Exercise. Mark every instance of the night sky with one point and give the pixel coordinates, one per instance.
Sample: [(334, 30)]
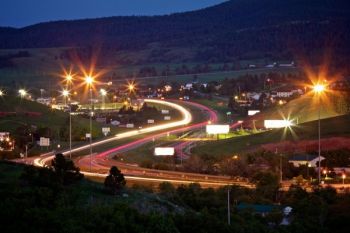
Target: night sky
[(20, 13)]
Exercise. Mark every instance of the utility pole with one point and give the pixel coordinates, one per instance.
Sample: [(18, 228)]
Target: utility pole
[(228, 207)]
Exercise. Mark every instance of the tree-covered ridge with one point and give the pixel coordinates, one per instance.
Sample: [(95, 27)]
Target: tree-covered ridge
[(229, 30)]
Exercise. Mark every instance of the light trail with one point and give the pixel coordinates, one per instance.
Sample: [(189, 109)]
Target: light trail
[(187, 118)]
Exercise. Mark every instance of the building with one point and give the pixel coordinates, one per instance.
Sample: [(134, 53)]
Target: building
[(305, 159)]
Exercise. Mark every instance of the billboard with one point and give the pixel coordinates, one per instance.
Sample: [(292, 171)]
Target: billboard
[(217, 129), (150, 121), (130, 125), (164, 151), (167, 118), (44, 141), (106, 130), (165, 111), (253, 112), (275, 124)]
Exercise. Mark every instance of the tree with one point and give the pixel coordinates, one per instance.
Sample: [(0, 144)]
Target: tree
[(267, 184), (65, 169), (115, 181)]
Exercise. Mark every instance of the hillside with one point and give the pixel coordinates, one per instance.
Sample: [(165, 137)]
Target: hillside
[(330, 127), (304, 109), (232, 30)]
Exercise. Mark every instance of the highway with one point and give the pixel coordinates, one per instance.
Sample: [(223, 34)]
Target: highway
[(98, 165)]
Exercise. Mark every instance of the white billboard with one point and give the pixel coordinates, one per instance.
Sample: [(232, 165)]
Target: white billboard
[(150, 121), (217, 129), (253, 112), (164, 151), (44, 141), (275, 124), (106, 130), (130, 125), (167, 118), (165, 111)]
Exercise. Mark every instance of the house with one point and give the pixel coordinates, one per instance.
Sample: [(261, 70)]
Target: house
[(188, 86), (273, 65), (287, 64), (286, 92), (45, 101), (305, 159), (253, 95)]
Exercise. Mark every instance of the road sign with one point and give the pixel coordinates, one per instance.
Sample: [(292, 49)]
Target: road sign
[(150, 121), (165, 111), (106, 130), (88, 135), (167, 118), (44, 141)]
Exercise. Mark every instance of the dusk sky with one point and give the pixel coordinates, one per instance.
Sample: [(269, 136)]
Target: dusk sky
[(19, 13)]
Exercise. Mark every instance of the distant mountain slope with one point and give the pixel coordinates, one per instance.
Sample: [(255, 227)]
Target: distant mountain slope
[(233, 29)]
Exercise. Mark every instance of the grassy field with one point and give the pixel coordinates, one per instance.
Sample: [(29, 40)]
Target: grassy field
[(304, 109), (54, 119), (336, 126), (44, 67), (220, 106)]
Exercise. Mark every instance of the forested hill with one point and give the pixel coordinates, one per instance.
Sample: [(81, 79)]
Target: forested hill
[(229, 30)]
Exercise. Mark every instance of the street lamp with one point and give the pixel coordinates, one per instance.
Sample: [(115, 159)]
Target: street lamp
[(131, 87), (69, 78), (343, 177), (2, 93), (66, 94), (22, 93), (319, 89), (89, 81), (103, 94)]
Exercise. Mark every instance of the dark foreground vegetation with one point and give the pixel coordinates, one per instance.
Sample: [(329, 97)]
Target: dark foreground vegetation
[(59, 200)]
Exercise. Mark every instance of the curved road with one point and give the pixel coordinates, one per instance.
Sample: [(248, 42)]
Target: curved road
[(98, 165)]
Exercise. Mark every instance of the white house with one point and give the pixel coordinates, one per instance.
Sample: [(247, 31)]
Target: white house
[(305, 159)]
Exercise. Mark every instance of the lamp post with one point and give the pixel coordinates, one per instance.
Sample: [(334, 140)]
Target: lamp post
[(89, 81), (343, 177), (103, 94), (1, 93), (318, 89), (66, 94), (69, 80)]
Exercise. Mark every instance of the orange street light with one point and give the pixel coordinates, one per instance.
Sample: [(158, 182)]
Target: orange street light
[(131, 87), (69, 77), (319, 88), (89, 80)]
